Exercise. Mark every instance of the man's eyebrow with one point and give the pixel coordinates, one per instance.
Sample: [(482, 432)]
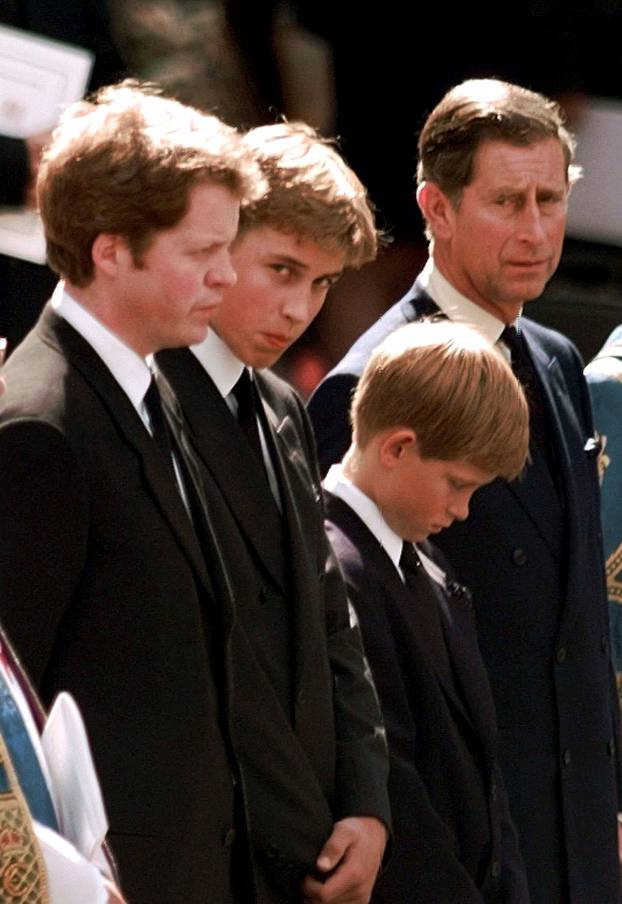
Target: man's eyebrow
[(301, 265), (288, 259)]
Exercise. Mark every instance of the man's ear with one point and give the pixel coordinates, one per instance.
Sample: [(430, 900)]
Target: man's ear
[(108, 252), (395, 445), (437, 210)]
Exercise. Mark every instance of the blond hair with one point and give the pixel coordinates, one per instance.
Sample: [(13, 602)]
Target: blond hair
[(312, 193), (451, 387), (124, 162)]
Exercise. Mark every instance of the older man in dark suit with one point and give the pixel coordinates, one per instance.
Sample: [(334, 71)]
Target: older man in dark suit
[(311, 744), (111, 584), (494, 174)]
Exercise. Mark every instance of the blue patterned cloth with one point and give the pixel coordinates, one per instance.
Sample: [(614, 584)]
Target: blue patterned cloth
[(31, 779), (604, 377)]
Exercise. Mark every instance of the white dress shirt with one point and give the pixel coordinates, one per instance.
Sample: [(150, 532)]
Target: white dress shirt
[(225, 369), (459, 309)]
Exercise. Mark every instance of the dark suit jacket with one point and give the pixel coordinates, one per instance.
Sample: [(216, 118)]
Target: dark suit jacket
[(453, 837), (105, 592), (308, 731), (534, 562)]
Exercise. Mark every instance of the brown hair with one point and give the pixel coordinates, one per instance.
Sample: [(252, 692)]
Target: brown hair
[(312, 193), (485, 110), (125, 162), (451, 387)]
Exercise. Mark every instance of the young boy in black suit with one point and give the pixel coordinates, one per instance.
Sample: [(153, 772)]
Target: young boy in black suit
[(309, 737), (436, 414)]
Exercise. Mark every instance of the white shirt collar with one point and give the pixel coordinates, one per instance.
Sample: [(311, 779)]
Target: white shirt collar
[(131, 372), (367, 510), (219, 362), (338, 484), (456, 306)]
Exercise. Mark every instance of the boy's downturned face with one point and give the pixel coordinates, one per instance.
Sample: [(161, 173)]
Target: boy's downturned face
[(282, 282), (421, 496)]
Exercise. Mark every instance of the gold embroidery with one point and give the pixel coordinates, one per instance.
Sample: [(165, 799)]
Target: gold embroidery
[(603, 460), (613, 569), (23, 879)]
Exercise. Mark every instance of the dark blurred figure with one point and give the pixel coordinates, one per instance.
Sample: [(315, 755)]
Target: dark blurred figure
[(24, 286)]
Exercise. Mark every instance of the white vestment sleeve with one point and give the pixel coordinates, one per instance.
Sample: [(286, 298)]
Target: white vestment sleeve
[(71, 878)]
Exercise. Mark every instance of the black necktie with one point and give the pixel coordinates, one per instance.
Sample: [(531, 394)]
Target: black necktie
[(410, 564), (171, 447), (160, 429), (425, 610), (244, 392), (525, 373)]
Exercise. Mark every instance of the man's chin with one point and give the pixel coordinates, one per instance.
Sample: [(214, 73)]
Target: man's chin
[(527, 289)]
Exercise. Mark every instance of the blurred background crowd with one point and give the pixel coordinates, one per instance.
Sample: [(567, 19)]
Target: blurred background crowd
[(368, 75)]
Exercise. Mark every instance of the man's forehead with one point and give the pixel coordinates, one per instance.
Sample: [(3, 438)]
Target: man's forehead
[(540, 161), (304, 250)]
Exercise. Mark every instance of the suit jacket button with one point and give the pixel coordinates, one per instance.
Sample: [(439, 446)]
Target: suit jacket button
[(566, 758), (519, 557), (561, 654), (229, 838), (495, 869)]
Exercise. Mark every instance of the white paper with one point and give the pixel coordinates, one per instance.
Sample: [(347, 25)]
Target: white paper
[(38, 79), (74, 788), (21, 234)]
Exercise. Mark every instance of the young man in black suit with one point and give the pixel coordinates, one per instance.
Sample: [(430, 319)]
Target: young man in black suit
[(111, 583), (495, 170), (436, 415), (311, 746)]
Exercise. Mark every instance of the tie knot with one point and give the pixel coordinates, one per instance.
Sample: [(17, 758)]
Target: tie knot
[(157, 419), (513, 339), (243, 391), (410, 563), (153, 403), (152, 396)]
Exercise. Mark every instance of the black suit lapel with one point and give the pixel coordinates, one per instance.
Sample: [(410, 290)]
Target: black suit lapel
[(419, 305), (469, 673), (449, 682), (300, 498), (58, 333), (535, 490), (224, 451), (573, 455)]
